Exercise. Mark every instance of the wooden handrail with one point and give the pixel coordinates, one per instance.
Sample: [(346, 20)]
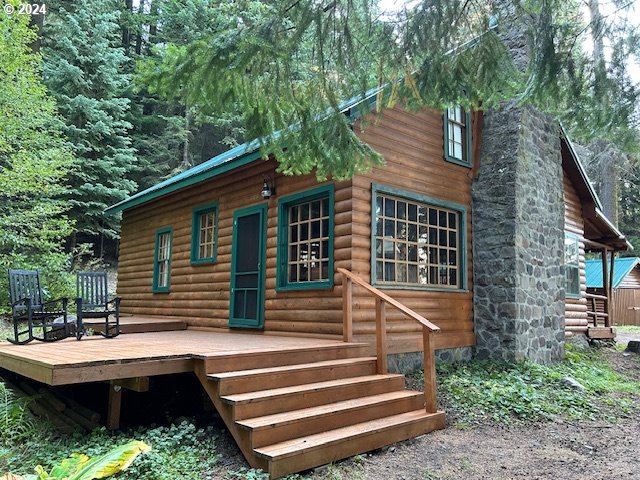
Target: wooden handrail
[(596, 297), (383, 296), (348, 278)]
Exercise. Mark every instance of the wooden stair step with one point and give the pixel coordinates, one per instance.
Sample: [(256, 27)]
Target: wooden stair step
[(277, 400), (270, 358), (279, 427), (320, 448), (287, 375)]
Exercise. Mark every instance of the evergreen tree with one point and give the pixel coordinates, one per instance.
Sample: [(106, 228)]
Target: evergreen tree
[(170, 135), (83, 67), (287, 61), (33, 163)]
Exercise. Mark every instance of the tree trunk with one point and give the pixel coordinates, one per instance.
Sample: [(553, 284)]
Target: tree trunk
[(604, 152), (126, 30), (186, 156)]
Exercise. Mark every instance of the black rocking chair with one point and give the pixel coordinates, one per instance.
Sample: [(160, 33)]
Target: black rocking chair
[(30, 314), (93, 302)]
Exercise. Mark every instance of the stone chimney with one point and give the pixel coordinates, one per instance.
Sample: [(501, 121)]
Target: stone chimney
[(518, 238)]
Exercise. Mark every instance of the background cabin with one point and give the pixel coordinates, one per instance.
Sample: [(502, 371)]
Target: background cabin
[(626, 288), (587, 229)]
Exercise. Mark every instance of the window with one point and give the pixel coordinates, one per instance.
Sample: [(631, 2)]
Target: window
[(204, 234), (572, 265), (418, 241), (457, 136), (305, 240), (162, 261)]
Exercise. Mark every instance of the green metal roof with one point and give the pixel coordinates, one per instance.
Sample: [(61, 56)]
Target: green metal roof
[(231, 159), (621, 268)]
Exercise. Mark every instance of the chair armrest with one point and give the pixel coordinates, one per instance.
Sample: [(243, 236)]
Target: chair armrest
[(19, 301), (63, 300), (115, 300)]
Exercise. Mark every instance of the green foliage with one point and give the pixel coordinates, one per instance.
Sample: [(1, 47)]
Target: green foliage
[(628, 328), (287, 65), (81, 467), (525, 391), (170, 134), (34, 164), (16, 425), (247, 474), (83, 63), (178, 451)]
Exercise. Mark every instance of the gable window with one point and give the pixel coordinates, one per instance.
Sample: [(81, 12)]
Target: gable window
[(204, 234), (162, 260), (418, 241), (457, 136), (572, 265), (305, 240)]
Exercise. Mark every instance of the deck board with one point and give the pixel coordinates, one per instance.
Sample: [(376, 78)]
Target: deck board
[(95, 358)]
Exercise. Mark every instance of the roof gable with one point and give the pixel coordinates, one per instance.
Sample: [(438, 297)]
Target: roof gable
[(621, 268)]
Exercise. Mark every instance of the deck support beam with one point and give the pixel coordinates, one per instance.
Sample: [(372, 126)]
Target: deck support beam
[(115, 402)]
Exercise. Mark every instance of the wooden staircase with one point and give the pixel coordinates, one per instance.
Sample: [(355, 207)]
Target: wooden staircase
[(296, 409)]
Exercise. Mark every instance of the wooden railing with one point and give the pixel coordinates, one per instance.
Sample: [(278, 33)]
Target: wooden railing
[(593, 313), (382, 299)]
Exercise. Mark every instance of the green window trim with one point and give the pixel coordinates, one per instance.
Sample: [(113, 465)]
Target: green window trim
[(468, 161), (157, 286), (198, 212), (573, 269), (424, 199), (284, 206)]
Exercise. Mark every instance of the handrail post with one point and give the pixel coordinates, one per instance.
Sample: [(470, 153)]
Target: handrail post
[(429, 372), (381, 336), (347, 309)]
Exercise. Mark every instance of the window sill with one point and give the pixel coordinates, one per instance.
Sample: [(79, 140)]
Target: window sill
[(203, 261), (386, 286), (457, 161), (305, 286)]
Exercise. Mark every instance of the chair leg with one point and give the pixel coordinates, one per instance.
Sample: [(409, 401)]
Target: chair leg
[(80, 331)]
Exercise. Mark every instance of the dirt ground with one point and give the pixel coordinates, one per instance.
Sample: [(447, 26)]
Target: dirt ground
[(561, 450)]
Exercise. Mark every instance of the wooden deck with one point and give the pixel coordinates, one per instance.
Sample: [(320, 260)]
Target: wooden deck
[(290, 403), (95, 358)]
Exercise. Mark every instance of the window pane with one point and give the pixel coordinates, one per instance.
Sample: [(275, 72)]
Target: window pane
[(304, 211), (315, 229), (388, 228), (308, 245), (390, 272), (401, 231), (413, 237), (457, 151), (389, 207), (413, 212)]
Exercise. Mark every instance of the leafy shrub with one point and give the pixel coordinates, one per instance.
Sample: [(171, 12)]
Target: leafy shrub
[(510, 392), (16, 424), (180, 451)]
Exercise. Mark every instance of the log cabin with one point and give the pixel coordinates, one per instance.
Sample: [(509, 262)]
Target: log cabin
[(587, 229), (233, 244), (291, 299)]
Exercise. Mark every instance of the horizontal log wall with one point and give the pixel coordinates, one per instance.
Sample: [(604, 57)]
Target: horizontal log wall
[(200, 293), (631, 280), (576, 320), (412, 145)]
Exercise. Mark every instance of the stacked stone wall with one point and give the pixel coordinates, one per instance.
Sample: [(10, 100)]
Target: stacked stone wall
[(518, 238)]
